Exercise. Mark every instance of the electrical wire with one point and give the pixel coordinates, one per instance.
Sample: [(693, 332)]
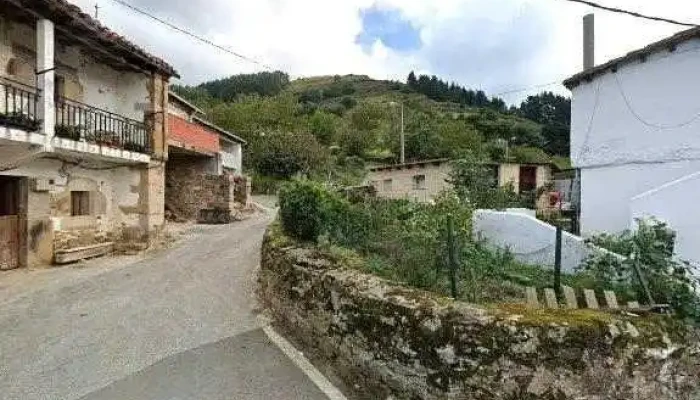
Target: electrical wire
[(193, 35), (584, 147), (528, 88), (633, 13), (643, 120)]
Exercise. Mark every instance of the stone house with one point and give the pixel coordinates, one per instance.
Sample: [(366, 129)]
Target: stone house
[(83, 136), (203, 171), (423, 180)]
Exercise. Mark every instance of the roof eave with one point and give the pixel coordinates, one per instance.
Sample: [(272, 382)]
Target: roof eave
[(670, 43), (220, 130)]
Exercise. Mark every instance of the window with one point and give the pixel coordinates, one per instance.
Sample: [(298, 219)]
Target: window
[(12, 67), (419, 182), (387, 185), (80, 203), (59, 89)]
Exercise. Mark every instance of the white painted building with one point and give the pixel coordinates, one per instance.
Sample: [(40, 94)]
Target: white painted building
[(635, 136)]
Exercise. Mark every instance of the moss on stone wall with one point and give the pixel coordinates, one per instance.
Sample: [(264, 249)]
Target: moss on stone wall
[(392, 340)]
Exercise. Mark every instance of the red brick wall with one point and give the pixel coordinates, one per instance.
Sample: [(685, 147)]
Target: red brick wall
[(192, 135)]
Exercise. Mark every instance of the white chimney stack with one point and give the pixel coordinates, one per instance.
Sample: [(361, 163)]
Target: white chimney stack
[(588, 41)]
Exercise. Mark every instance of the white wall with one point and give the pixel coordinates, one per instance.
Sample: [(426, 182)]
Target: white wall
[(662, 91), (530, 240), (675, 204), (606, 192), (232, 155), (634, 130)]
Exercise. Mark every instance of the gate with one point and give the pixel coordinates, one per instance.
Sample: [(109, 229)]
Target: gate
[(9, 242)]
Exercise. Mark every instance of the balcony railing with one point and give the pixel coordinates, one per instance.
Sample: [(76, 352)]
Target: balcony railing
[(81, 122), (18, 105)]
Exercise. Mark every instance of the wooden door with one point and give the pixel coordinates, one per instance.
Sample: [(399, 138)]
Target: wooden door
[(9, 242), (9, 223)]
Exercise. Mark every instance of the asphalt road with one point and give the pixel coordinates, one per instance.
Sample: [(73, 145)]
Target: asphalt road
[(180, 324)]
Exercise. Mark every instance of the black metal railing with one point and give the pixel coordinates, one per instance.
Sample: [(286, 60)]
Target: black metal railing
[(82, 122), (18, 105)]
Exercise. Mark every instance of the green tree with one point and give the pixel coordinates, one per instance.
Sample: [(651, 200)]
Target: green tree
[(476, 182), (261, 83), (285, 154), (554, 113), (411, 81), (323, 126)]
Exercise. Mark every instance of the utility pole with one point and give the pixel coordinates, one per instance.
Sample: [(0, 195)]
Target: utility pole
[(403, 141), (97, 10)]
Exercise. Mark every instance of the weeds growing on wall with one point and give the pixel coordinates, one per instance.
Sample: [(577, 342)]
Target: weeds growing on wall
[(650, 247)]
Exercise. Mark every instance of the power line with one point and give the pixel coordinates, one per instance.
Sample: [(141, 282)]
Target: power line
[(192, 35), (643, 120), (633, 13), (528, 88)]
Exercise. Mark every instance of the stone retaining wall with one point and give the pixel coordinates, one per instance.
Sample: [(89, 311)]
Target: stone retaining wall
[(392, 342)]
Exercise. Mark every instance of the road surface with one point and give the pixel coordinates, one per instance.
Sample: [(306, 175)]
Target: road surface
[(179, 324)]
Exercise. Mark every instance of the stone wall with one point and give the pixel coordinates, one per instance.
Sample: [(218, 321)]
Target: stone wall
[(191, 187), (391, 342)]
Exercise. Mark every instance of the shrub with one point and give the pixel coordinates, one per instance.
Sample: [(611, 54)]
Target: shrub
[(477, 183), (302, 209), (651, 247), (261, 184)]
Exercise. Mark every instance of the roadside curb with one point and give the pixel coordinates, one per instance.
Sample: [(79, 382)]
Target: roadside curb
[(298, 358)]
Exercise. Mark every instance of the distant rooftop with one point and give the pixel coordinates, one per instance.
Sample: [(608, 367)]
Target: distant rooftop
[(439, 161)]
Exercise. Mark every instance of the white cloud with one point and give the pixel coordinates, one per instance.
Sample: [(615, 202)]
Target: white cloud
[(493, 44)]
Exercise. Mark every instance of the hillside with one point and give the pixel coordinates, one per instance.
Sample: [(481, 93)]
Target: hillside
[(331, 127)]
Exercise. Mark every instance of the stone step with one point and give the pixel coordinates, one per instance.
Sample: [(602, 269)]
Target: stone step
[(66, 256)]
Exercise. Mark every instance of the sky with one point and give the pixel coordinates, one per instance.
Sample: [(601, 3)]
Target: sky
[(494, 45)]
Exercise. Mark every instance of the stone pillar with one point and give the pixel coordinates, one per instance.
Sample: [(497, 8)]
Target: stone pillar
[(46, 78), (152, 198), (158, 118)]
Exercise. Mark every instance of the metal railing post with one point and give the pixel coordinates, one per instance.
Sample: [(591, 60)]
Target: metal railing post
[(557, 262)]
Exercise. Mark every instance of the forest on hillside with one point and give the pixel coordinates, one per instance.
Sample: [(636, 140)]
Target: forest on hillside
[(331, 127)]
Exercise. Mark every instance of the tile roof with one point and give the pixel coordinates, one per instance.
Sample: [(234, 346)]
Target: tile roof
[(182, 101), (669, 43), (71, 18), (222, 131)]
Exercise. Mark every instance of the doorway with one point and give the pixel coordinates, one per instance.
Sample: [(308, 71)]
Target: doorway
[(528, 179), (9, 223)]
